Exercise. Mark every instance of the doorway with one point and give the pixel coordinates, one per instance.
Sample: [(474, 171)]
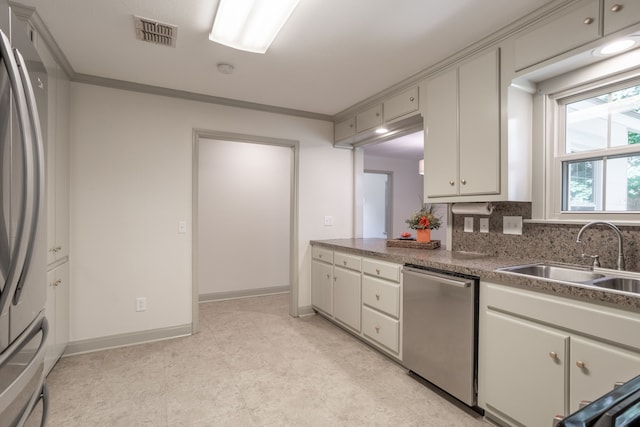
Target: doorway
[(377, 204), (245, 218)]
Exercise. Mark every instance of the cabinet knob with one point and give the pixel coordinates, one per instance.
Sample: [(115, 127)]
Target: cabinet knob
[(413, 99), (588, 21), (378, 271), (553, 355), (377, 329), (378, 297), (580, 364), (328, 276), (463, 181), (56, 283), (350, 125), (344, 262), (452, 183), (377, 114), (335, 279), (616, 8)]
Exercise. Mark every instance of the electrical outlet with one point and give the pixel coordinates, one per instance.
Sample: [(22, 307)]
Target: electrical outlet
[(512, 225), (468, 224), (328, 221), (484, 225), (141, 304), (182, 227)]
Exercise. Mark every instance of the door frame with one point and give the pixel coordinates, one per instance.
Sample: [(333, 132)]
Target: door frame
[(293, 232), (388, 202)]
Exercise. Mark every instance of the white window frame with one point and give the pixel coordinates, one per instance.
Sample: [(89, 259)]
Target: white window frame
[(552, 93)]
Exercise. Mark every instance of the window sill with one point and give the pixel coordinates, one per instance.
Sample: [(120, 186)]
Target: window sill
[(626, 223)]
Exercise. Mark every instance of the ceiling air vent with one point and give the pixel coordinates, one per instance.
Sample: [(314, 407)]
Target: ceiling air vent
[(155, 32)]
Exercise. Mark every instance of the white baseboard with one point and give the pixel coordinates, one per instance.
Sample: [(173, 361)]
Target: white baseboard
[(221, 296), (123, 340), (307, 310)]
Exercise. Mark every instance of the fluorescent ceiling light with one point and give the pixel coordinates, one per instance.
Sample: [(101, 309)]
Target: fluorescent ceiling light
[(250, 25), (615, 47)]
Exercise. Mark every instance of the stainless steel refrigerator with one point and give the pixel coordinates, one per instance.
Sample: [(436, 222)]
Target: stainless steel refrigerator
[(23, 326)]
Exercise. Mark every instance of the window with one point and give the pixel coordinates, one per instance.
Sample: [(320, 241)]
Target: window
[(598, 149)]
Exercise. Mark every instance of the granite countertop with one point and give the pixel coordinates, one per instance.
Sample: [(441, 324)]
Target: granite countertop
[(483, 266)]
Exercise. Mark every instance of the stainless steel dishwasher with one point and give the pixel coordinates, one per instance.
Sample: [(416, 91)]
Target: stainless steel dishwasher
[(440, 329)]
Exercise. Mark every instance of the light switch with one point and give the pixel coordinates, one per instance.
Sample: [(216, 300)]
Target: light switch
[(484, 225), (328, 221), (182, 227), (468, 224)]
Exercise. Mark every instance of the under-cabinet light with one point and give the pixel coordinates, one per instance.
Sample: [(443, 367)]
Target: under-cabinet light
[(382, 131), (615, 47), (421, 167), (250, 25)]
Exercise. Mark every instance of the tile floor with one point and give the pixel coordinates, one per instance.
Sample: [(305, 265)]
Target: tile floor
[(251, 365)]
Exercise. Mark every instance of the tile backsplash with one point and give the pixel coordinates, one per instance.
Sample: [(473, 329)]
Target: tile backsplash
[(549, 242)]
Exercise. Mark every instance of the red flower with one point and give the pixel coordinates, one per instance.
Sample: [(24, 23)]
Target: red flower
[(424, 222)]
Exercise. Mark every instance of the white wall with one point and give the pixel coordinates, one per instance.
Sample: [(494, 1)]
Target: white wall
[(407, 193), (131, 173), (244, 205)]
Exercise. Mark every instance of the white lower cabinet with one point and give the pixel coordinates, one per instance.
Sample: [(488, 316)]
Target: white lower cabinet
[(346, 297), (364, 295), (57, 313), (540, 355)]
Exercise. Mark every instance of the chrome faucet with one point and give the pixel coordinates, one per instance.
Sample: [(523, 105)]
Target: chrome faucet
[(616, 230)]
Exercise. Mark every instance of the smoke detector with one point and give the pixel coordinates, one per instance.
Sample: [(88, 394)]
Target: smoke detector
[(155, 32)]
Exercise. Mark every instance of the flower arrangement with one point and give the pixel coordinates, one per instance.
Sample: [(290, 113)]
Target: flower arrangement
[(424, 219)]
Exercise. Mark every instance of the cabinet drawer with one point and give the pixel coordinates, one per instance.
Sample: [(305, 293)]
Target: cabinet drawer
[(402, 104), (345, 129), (322, 254), (369, 119), (566, 32), (380, 328), (351, 262), (381, 295), (381, 269)]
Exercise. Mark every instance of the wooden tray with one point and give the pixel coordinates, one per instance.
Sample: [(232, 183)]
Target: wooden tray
[(402, 243)]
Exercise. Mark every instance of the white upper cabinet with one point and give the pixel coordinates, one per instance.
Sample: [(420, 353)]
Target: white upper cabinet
[(576, 27), (344, 129), (462, 154), (620, 14), (369, 119), (399, 105)]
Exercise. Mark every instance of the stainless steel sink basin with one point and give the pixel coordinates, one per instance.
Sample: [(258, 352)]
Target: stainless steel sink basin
[(555, 272), (618, 284)]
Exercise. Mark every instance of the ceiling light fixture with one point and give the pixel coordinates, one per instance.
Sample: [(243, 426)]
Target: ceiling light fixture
[(615, 47), (382, 131), (250, 25)]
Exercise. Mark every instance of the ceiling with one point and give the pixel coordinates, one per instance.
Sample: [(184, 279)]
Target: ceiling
[(408, 147), (330, 55)]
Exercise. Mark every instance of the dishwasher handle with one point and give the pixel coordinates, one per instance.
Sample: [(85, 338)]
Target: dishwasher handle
[(440, 278)]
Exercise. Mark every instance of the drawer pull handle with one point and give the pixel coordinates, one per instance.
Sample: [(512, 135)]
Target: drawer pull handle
[(588, 21), (377, 329), (377, 271), (553, 355), (580, 364), (378, 297), (618, 384), (344, 262), (56, 283), (616, 8)]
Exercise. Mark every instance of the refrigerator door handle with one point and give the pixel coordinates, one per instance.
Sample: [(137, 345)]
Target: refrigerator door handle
[(19, 254), (36, 149)]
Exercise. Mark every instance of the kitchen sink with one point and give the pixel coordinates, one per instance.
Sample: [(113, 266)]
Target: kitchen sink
[(618, 284), (555, 272)]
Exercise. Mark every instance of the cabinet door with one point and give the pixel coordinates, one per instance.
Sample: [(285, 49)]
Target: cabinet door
[(479, 126), (595, 368), (441, 136), (345, 129), (62, 309), (50, 312), (566, 32), (62, 166), (321, 286), (346, 297), (402, 104), (369, 119), (524, 369), (619, 14)]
